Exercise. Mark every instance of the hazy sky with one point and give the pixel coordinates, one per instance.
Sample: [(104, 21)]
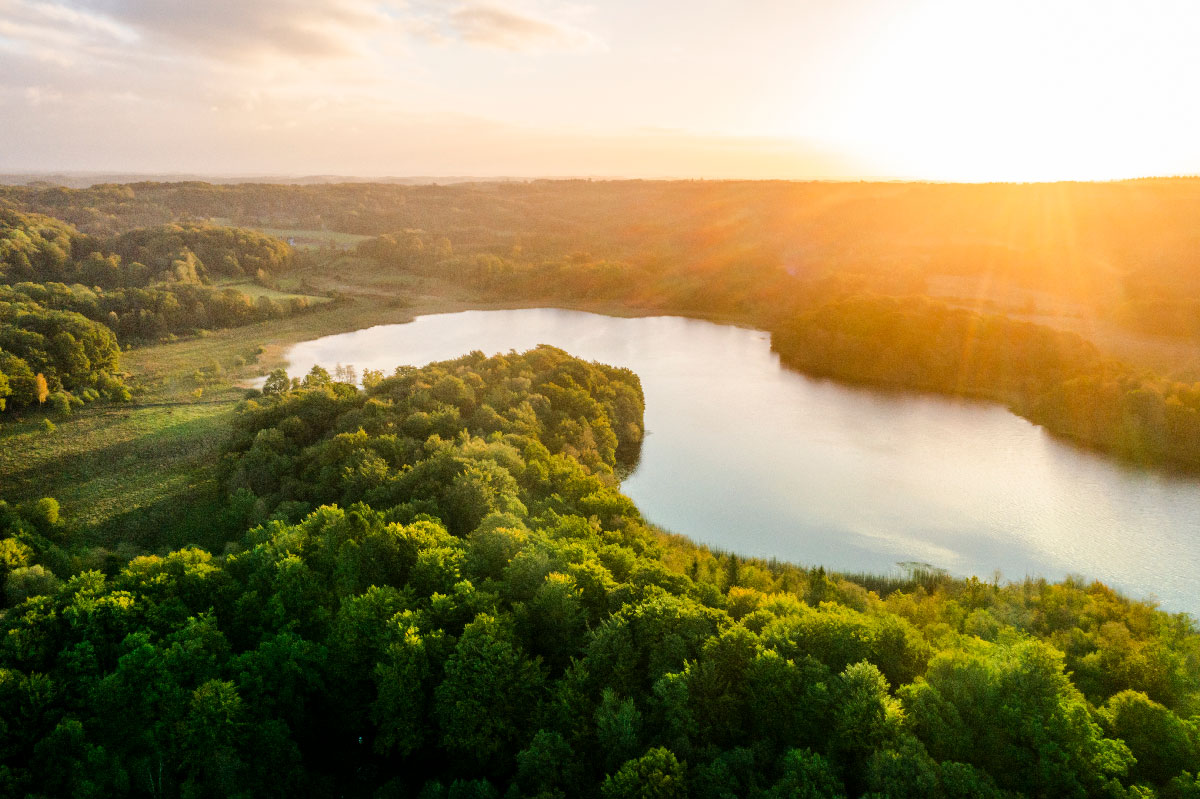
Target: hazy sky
[(941, 89)]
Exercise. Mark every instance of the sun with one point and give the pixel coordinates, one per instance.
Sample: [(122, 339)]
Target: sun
[(1022, 91)]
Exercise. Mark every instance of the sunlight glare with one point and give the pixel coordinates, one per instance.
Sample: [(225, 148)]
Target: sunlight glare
[(970, 91)]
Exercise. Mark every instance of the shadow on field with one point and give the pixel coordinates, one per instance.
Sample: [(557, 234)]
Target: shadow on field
[(196, 516)]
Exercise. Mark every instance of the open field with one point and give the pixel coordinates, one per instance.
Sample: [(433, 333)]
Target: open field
[(1174, 357), (314, 239), (309, 239), (254, 290), (301, 238), (120, 473)]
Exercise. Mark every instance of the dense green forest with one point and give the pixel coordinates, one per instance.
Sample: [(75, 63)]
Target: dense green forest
[(478, 611), (41, 249), (48, 354)]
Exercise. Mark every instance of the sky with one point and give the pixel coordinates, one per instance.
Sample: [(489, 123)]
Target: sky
[(794, 89)]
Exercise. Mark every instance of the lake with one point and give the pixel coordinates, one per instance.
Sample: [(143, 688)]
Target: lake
[(743, 454)]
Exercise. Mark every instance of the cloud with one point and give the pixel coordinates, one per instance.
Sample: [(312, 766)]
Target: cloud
[(200, 79), (229, 33), (36, 95), (502, 28), (241, 29), (59, 16), (57, 33)]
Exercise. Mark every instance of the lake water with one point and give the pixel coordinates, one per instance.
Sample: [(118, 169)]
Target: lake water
[(743, 454)]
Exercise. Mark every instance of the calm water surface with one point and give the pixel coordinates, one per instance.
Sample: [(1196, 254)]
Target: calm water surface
[(743, 454)]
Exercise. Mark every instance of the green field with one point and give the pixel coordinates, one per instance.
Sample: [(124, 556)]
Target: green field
[(303, 238), (314, 238), (255, 290), (122, 474)]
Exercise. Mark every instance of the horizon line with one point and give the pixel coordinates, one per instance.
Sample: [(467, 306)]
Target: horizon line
[(135, 176)]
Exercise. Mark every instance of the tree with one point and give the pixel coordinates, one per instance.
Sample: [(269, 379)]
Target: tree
[(22, 383), (548, 765), (1161, 742), (618, 727), (371, 378), (29, 581), (403, 678), (42, 513), (866, 719), (60, 403), (1012, 711), (1185, 786), (212, 734), (67, 764), (317, 377), (13, 554), (553, 622), (902, 771), (489, 691), (658, 774), (277, 382), (789, 702), (805, 775)]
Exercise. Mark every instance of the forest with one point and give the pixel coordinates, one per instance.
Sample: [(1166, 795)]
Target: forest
[(1120, 250), (428, 583), (445, 595), (69, 301)]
